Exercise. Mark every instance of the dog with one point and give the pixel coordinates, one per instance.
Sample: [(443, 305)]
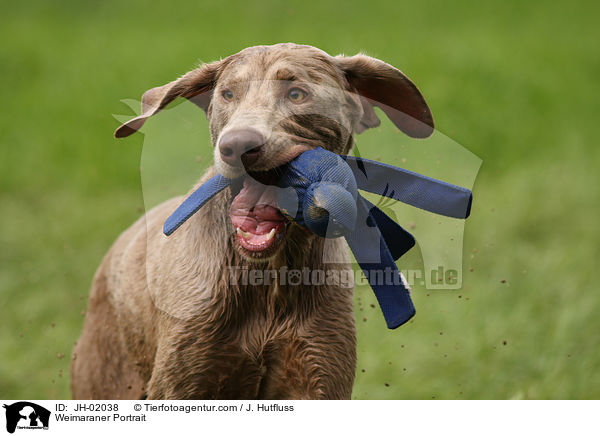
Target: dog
[(165, 320)]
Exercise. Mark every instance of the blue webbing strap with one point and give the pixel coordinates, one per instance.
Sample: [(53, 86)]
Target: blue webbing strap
[(411, 188), (194, 202), (374, 257), (398, 240)]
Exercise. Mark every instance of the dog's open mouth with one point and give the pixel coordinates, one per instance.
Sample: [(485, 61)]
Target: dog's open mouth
[(260, 227)]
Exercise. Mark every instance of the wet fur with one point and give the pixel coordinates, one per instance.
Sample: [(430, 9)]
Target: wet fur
[(164, 320)]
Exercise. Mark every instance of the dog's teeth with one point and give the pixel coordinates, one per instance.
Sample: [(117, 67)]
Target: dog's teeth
[(245, 235), (271, 234)]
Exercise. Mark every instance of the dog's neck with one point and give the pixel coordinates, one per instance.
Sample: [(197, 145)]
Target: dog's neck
[(237, 283)]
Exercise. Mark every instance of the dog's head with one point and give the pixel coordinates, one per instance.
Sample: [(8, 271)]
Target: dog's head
[(268, 104)]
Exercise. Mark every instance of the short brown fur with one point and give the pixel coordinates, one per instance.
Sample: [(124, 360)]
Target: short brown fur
[(164, 320)]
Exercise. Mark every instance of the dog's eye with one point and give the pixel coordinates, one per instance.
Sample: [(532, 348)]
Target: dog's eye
[(227, 95), (297, 95)]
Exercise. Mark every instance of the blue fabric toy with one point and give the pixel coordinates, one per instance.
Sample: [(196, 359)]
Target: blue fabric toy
[(319, 191)]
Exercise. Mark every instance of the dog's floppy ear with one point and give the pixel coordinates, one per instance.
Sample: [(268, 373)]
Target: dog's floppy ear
[(195, 85), (382, 85)]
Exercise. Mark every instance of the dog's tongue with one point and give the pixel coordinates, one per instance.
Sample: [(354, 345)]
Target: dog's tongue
[(254, 209)]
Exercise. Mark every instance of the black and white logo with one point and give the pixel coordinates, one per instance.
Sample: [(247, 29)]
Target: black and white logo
[(26, 415)]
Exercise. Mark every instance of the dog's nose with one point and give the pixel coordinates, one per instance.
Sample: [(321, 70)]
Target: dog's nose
[(241, 146)]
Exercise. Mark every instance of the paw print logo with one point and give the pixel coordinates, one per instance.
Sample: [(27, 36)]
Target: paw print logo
[(294, 277)]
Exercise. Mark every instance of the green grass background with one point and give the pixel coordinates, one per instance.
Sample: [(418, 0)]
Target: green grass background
[(514, 82)]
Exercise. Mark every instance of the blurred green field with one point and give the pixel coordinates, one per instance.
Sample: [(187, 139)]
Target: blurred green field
[(514, 82)]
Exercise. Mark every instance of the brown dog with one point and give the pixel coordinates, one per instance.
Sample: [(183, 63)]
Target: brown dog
[(165, 318)]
